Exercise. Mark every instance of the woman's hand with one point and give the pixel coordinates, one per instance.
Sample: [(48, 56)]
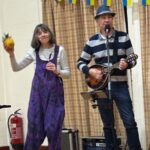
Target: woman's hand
[(9, 50), (52, 67), (8, 44)]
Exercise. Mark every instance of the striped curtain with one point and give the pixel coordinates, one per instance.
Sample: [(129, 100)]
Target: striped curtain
[(73, 25), (144, 13)]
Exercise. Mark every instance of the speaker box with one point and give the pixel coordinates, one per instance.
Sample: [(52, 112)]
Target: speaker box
[(70, 139), (96, 143)]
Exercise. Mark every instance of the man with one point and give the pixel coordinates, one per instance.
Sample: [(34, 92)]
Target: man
[(118, 46)]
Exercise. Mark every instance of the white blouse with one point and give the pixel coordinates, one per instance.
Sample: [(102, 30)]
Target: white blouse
[(44, 53)]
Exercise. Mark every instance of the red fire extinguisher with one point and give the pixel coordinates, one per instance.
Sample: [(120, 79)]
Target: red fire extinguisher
[(15, 128)]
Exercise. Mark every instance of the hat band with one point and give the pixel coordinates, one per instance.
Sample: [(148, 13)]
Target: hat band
[(104, 12)]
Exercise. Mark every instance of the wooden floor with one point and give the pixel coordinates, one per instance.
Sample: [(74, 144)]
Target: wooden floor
[(7, 148), (4, 148), (44, 148)]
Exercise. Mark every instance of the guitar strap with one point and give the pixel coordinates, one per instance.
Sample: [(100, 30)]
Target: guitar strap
[(115, 48)]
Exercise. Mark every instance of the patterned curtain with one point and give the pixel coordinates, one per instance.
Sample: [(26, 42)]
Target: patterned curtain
[(145, 41), (73, 25)]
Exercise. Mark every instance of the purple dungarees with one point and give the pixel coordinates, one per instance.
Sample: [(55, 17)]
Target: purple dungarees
[(46, 107)]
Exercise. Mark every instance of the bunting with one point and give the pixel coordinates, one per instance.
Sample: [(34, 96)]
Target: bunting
[(145, 2), (90, 2), (107, 2), (72, 1), (128, 3)]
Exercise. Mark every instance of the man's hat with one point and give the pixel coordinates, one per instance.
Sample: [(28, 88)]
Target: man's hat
[(103, 10)]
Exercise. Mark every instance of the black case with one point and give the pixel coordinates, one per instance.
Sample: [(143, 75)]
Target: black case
[(96, 143), (70, 139)]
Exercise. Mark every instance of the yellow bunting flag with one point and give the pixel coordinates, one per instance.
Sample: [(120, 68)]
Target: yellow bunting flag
[(109, 2), (92, 2), (148, 2), (130, 3)]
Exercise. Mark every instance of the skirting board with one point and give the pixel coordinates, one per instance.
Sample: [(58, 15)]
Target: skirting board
[(44, 148), (7, 148), (4, 148)]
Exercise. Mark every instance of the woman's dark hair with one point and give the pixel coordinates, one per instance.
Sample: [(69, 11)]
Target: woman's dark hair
[(35, 43)]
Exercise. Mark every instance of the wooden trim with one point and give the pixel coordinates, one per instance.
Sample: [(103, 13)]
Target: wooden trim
[(4, 148), (44, 148), (7, 148)]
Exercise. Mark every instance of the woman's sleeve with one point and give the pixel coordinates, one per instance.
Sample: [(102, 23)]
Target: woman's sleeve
[(64, 66), (28, 59)]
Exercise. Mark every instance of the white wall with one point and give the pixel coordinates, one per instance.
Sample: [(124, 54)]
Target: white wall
[(137, 80), (18, 18)]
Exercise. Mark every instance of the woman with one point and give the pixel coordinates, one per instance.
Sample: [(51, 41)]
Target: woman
[(46, 105)]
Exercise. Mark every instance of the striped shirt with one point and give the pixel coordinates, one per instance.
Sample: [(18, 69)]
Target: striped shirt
[(119, 47)]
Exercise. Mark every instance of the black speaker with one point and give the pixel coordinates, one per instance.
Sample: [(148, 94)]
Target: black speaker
[(70, 139), (96, 143)]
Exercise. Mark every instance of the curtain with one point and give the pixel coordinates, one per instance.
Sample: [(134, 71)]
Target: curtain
[(145, 38), (73, 25)]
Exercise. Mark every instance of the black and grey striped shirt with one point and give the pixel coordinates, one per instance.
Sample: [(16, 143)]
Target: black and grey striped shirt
[(96, 48)]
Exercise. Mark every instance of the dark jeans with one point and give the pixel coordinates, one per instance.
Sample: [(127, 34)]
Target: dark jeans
[(120, 94)]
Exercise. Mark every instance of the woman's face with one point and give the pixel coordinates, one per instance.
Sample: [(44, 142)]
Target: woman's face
[(43, 37)]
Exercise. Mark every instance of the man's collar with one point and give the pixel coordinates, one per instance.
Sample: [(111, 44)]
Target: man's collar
[(101, 37)]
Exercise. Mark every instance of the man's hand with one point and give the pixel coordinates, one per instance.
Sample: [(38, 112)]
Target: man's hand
[(96, 73), (123, 64)]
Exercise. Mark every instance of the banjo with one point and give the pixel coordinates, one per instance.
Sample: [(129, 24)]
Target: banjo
[(101, 83)]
